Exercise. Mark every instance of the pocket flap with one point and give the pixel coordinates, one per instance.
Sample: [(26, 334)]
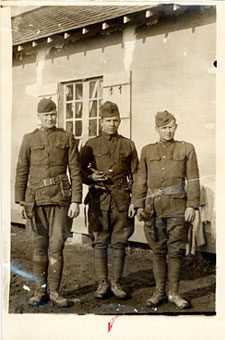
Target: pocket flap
[(61, 145), (38, 147), (100, 153)]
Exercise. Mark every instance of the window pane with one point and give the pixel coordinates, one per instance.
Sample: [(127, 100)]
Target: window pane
[(69, 127), (93, 109), (69, 111), (99, 127), (69, 92), (100, 89), (78, 110), (93, 89), (78, 128), (93, 127), (79, 91)]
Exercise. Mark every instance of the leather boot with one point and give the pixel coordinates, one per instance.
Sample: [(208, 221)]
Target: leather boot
[(54, 280), (118, 257), (159, 271), (40, 273), (101, 272), (58, 300), (174, 270)]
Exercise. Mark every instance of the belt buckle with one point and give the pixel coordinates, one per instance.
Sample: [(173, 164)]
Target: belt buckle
[(51, 181)]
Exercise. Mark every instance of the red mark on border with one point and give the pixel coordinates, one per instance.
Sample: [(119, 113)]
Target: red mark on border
[(110, 323)]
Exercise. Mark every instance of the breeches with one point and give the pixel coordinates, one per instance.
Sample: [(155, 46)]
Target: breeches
[(114, 227), (167, 235), (51, 227)]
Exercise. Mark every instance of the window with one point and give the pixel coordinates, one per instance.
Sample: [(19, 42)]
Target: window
[(81, 107), (79, 102)]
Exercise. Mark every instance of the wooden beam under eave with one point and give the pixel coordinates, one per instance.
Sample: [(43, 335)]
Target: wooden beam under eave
[(105, 25), (126, 19), (84, 30), (34, 44), (19, 48), (148, 13), (49, 40), (66, 35)]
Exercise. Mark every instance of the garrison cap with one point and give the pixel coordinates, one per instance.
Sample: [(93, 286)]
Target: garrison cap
[(46, 105), (109, 109), (163, 118)]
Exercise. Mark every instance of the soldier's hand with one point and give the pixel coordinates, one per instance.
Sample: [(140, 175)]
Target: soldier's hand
[(189, 214), (99, 176), (73, 210), (140, 212), (131, 211), (22, 212)]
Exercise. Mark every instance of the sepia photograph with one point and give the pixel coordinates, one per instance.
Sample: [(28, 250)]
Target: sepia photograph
[(113, 160)]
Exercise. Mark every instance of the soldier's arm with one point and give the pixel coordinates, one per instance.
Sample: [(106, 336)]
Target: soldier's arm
[(133, 165), (75, 171), (22, 171), (140, 184), (86, 156), (192, 177)]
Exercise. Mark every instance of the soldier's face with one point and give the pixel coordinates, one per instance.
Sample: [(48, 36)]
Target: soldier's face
[(110, 125), (167, 132), (47, 119)]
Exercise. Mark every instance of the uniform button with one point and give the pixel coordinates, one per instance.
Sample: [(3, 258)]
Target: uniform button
[(163, 168), (164, 157)]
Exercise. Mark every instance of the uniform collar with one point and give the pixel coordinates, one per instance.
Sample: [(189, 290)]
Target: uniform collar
[(166, 143), (109, 137), (41, 128)]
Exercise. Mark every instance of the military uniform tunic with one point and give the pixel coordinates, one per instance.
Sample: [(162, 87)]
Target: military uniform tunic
[(116, 156), (45, 154), (167, 183)]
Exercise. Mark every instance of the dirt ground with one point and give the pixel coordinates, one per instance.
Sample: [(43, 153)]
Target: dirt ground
[(78, 283)]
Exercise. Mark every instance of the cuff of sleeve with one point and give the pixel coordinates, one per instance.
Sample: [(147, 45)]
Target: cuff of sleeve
[(192, 204), (139, 204)]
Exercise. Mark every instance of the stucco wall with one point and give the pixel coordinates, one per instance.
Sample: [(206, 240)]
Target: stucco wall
[(172, 68)]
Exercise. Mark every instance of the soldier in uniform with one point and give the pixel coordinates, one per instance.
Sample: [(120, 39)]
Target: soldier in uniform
[(166, 195), (49, 198), (109, 163)]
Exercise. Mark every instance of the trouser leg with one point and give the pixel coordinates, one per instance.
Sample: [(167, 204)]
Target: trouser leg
[(177, 230), (174, 270), (160, 272), (40, 262), (101, 241), (156, 236), (100, 263), (122, 229), (59, 226)]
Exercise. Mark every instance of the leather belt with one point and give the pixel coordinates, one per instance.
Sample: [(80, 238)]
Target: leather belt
[(46, 182), (173, 189)]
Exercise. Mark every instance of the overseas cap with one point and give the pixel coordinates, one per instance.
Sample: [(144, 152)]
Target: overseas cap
[(163, 118), (109, 109), (46, 105)]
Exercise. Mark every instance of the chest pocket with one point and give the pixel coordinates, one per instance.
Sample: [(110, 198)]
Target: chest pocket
[(101, 159), (61, 145), (38, 154), (125, 159), (178, 163), (154, 164)]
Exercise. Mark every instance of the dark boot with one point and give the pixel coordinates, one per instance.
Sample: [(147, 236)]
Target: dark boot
[(159, 271), (40, 274), (174, 270), (118, 257), (54, 280), (101, 272)]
